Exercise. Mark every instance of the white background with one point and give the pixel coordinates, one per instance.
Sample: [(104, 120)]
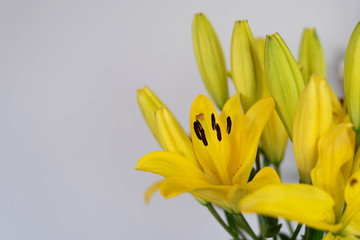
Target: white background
[(70, 128)]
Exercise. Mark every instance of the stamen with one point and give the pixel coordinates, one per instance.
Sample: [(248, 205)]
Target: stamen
[(213, 121), (205, 142), (200, 116), (228, 127), (197, 130), (353, 181), (218, 132)]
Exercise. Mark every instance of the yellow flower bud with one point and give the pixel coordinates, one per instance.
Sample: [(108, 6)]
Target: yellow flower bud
[(246, 67), (311, 57), (149, 103), (284, 79), (274, 137), (313, 118), (210, 59), (352, 77)]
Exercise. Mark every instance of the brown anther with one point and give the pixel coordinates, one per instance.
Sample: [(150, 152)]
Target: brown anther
[(213, 121), (228, 126), (218, 132)]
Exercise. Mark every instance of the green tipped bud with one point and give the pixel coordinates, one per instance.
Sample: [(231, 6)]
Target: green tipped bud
[(210, 59), (284, 79), (246, 67), (149, 103), (352, 77), (311, 57)]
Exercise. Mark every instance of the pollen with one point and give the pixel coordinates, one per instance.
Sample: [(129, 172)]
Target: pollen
[(213, 121), (228, 126), (200, 116), (218, 132)]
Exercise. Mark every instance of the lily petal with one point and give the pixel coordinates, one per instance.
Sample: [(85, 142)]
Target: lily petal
[(151, 190), (227, 197), (248, 134), (351, 216), (169, 164), (172, 137), (334, 163), (210, 140), (266, 176), (298, 202)]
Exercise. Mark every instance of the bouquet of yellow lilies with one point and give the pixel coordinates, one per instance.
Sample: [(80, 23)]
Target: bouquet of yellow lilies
[(232, 159)]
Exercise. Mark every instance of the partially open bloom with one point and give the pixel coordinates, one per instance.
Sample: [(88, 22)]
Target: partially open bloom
[(225, 148), (313, 117), (320, 206)]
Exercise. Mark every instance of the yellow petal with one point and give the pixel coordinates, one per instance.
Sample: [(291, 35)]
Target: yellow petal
[(330, 236), (334, 163), (246, 68), (352, 77), (295, 202), (151, 190), (260, 44), (311, 57), (266, 176), (351, 216), (338, 110), (313, 118), (175, 185), (248, 132), (149, 103), (284, 79), (169, 164), (172, 137), (227, 197), (210, 140), (210, 59)]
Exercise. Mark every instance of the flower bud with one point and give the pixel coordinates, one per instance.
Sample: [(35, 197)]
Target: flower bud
[(352, 77), (311, 57), (246, 67), (149, 103), (313, 118), (284, 79), (210, 59)]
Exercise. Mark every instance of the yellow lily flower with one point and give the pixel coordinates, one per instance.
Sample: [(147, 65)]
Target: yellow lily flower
[(225, 147), (319, 206), (210, 59), (284, 79), (274, 137), (247, 71), (311, 58), (313, 117), (352, 77)]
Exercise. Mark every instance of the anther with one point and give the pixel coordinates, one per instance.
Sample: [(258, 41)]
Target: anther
[(197, 130), (213, 121), (204, 140), (228, 126), (218, 132), (353, 181)]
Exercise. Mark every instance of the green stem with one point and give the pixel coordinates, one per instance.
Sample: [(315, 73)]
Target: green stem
[(296, 232), (290, 227), (222, 223), (277, 168), (357, 140), (245, 225)]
